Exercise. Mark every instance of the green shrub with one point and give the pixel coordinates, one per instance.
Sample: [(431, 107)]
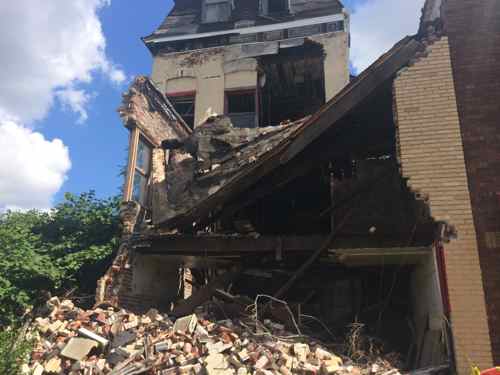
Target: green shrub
[(14, 351), (68, 248)]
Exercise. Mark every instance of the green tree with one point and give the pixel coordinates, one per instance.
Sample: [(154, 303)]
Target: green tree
[(68, 248)]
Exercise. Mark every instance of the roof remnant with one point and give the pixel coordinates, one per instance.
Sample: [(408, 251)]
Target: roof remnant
[(185, 17), (215, 154), (145, 107)]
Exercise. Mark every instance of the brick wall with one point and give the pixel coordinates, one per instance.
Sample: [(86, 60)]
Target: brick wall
[(431, 156), (473, 28)]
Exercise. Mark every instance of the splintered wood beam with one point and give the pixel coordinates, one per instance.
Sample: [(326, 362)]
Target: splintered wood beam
[(202, 295)]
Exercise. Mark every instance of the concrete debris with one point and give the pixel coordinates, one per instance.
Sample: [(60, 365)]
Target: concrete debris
[(78, 348), (103, 341), (186, 324), (91, 335)]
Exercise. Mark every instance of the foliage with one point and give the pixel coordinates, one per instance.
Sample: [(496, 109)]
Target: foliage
[(67, 248), (12, 351)]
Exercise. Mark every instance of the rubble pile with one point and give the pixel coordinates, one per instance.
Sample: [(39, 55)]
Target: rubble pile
[(107, 340)]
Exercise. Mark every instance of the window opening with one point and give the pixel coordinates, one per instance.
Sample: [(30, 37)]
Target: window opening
[(185, 106), (217, 11), (241, 108), (277, 6), (141, 172)]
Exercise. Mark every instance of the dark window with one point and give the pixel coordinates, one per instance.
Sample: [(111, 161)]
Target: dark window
[(241, 108), (185, 105), (217, 11), (241, 102), (277, 6)]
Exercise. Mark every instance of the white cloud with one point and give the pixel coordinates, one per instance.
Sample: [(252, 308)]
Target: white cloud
[(76, 100), (116, 75), (50, 49), (376, 25), (32, 169), (49, 45)]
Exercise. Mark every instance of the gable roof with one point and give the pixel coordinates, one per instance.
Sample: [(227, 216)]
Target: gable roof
[(384, 69)]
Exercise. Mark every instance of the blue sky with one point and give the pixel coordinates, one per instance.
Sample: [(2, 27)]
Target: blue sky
[(67, 66), (98, 147)]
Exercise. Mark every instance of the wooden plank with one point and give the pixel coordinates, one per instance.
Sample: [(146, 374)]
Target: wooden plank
[(202, 295), (132, 159)]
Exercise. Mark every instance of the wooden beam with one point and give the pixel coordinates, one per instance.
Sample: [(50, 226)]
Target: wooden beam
[(312, 259), (202, 295), (227, 245), (132, 159)]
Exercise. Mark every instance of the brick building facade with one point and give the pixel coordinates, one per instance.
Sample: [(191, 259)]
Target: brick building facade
[(427, 111), (473, 28), (432, 157)]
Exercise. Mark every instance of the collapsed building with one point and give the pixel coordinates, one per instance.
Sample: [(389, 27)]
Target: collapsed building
[(258, 166)]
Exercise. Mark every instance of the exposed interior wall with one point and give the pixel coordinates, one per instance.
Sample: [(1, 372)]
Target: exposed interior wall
[(155, 279), (432, 157), (428, 313)]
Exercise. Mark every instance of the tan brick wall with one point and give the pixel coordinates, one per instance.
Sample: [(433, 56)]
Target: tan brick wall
[(432, 157)]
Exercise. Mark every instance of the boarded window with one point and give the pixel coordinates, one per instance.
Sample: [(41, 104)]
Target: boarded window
[(141, 173), (241, 108), (185, 106), (217, 11)]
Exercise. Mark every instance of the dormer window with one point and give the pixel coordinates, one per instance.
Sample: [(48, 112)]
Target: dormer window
[(277, 6), (216, 10), (274, 6)]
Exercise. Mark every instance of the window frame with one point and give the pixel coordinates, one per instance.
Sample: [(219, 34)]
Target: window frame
[(242, 91), (136, 136), (184, 94), (207, 3), (264, 7)]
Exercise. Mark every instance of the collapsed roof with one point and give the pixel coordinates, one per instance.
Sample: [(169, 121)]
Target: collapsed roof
[(217, 162), (212, 157)]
